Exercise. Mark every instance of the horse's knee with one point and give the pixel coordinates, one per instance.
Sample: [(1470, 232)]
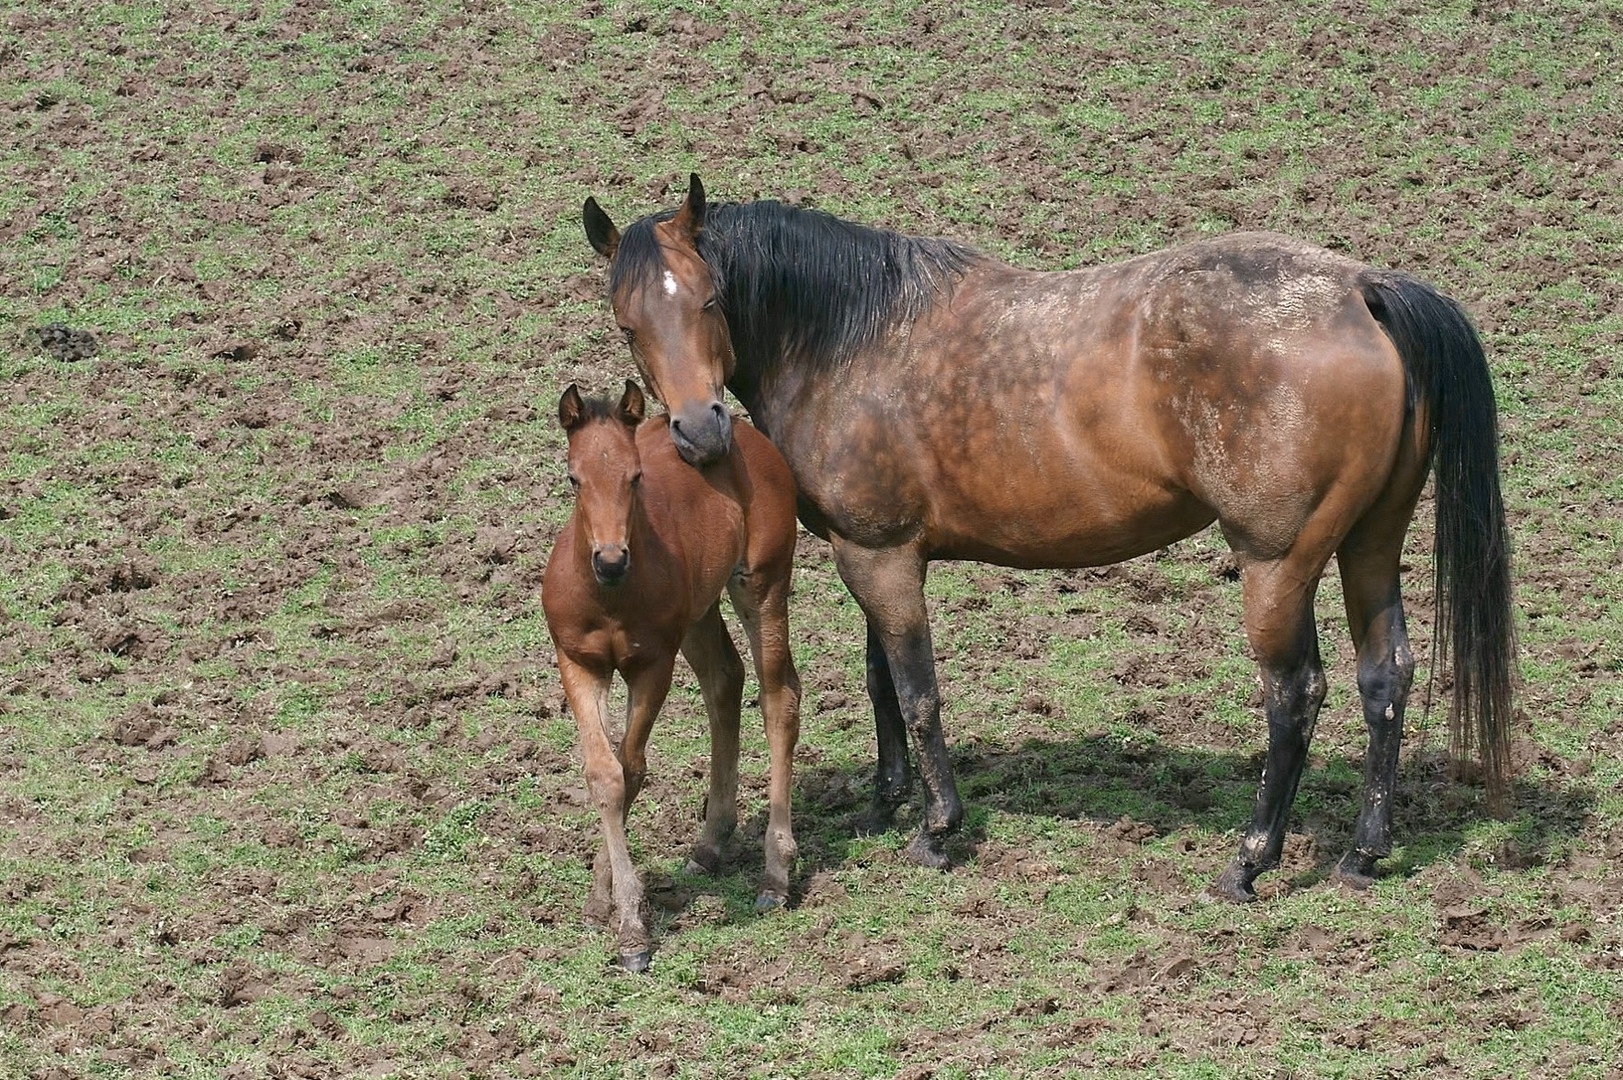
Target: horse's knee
[(1293, 696), (923, 713), (607, 784), (1384, 684)]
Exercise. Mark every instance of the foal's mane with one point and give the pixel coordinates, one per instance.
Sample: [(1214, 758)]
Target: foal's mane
[(802, 286)]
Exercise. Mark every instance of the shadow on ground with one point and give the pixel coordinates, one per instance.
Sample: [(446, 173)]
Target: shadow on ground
[(1140, 791)]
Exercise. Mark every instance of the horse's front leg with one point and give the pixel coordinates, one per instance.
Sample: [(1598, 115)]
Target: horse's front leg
[(889, 585), (893, 777)]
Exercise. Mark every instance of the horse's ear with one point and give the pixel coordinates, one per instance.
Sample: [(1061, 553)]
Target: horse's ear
[(690, 218), (632, 407), (600, 230), (571, 409)]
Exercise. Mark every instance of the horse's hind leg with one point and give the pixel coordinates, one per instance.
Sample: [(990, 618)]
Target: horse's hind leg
[(1369, 578), (762, 603), (710, 652), (893, 778), (1279, 624)]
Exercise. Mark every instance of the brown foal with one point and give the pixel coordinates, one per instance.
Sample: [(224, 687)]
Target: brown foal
[(636, 576)]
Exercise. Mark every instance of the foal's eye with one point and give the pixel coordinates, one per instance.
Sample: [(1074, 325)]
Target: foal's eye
[(636, 478), (574, 482), (629, 334)]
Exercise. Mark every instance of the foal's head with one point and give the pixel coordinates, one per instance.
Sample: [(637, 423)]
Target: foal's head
[(665, 302), (604, 471)]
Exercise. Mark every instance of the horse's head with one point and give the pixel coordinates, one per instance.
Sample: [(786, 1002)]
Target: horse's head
[(604, 471), (665, 302)]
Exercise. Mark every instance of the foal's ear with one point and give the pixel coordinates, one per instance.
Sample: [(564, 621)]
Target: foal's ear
[(571, 409), (690, 218), (632, 406), (600, 230)]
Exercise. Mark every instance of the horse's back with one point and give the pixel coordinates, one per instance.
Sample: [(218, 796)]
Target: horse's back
[(1087, 416)]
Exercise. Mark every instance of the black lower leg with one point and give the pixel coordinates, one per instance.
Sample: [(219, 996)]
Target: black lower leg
[(893, 778), (920, 705), (1383, 682), (1292, 698)]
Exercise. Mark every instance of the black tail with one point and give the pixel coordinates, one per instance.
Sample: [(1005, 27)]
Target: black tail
[(1450, 384)]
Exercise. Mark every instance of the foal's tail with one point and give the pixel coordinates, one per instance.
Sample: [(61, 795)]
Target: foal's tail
[(1448, 379)]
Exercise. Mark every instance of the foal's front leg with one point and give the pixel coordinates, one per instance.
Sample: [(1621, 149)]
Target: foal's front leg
[(614, 779)]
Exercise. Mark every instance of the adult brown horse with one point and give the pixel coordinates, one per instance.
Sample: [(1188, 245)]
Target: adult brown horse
[(935, 403), (636, 575)]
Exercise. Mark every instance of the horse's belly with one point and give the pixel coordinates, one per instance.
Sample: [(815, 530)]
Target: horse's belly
[(1061, 527)]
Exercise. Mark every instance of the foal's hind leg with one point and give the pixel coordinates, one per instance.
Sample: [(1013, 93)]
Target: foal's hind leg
[(710, 652), (762, 603), (1279, 624)]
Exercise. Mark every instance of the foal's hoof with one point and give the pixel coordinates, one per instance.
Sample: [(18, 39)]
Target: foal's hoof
[(1355, 871), (636, 962), (1233, 886), (769, 901), (927, 850)]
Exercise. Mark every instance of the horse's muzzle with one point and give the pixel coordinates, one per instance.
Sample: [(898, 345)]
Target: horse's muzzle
[(702, 433), (610, 563)]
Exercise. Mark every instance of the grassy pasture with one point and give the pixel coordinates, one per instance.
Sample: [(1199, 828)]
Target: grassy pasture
[(288, 787)]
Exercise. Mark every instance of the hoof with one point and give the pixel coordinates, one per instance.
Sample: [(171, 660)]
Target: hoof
[(1355, 871), (636, 962), (878, 818), (927, 850), (704, 861), (769, 901), (1232, 886)]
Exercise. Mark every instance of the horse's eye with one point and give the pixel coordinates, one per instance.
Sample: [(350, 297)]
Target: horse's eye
[(636, 478), (629, 334), (574, 482), (710, 304)]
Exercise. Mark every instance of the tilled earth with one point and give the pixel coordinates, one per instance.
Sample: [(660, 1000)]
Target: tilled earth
[(290, 788)]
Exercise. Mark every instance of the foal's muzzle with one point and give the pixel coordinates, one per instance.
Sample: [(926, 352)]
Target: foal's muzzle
[(702, 433), (610, 562)]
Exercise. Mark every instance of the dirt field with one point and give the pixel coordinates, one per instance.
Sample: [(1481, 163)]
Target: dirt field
[(289, 292)]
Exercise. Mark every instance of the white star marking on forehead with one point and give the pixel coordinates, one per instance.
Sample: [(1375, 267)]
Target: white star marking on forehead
[(670, 283)]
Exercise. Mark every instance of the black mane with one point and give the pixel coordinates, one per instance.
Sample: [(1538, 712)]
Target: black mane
[(801, 286)]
